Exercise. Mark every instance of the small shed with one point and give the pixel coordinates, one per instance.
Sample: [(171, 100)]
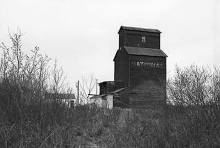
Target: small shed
[(104, 100), (68, 99)]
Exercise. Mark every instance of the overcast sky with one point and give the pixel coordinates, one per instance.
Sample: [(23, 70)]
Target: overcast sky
[(82, 34)]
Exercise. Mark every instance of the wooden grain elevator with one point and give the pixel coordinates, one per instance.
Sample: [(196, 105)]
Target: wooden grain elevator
[(139, 68)]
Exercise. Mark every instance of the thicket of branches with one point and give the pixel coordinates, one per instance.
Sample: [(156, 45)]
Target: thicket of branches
[(194, 86), (25, 80)]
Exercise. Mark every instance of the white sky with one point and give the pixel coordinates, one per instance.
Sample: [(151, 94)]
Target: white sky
[(82, 34)]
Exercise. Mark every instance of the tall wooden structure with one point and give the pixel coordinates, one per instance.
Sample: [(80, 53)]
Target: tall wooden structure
[(140, 66)]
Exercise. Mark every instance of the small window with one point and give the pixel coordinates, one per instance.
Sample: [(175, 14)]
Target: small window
[(143, 39)]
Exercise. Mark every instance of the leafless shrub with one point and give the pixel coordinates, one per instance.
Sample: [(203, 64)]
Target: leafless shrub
[(57, 79), (215, 86), (26, 117), (28, 72), (193, 86)]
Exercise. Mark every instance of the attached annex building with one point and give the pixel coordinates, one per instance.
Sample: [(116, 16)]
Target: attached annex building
[(139, 69)]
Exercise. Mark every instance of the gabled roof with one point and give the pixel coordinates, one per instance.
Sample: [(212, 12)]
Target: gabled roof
[(144, 51), (139, 29)]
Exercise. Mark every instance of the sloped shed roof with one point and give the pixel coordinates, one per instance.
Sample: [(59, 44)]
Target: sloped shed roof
[(119, 90), (145, 51), (139, 29)]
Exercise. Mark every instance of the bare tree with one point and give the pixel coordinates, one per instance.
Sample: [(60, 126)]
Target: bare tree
[(87, 86), (28, 72), (58, 78), (12, 63), (35, 73)]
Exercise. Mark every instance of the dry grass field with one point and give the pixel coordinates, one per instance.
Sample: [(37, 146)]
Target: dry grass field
[(89, 126)]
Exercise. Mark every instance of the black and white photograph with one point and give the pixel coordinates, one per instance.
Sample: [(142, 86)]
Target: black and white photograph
[(109, 74)]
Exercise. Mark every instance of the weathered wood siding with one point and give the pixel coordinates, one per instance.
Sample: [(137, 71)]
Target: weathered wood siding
[(147, 80), (134, 39), (146, 93), (121, 67), (109, 86), (121, 40), (144, 68)]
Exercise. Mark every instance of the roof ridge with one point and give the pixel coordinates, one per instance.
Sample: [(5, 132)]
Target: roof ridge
[(145, 51), (139, 29), (142, 47)]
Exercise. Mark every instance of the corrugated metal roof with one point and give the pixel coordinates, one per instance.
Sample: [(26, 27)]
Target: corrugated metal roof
[(139, 29), (145, 51)]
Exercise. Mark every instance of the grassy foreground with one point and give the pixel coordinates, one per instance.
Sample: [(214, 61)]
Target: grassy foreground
[(54, 125)]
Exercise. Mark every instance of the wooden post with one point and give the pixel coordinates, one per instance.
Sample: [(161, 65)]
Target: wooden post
[(77, 87), (96, 86)]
